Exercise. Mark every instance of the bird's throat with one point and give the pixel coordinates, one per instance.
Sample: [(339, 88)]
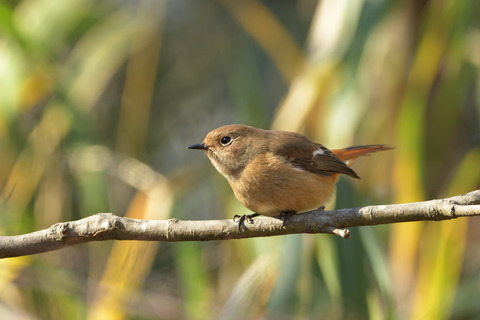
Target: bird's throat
[(229, 170)]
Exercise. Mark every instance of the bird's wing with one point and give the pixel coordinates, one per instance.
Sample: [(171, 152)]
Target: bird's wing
[(303, 153)]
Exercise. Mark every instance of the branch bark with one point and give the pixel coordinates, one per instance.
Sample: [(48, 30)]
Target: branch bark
[(106, 226)]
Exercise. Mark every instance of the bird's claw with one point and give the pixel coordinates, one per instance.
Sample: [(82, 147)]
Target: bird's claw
[(241, 219), (286, 215)]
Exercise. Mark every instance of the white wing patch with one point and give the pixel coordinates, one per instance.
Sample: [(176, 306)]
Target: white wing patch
[(318, 152)]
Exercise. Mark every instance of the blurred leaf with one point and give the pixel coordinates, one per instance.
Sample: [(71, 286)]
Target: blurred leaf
[(253, 289), (282, 301), (30, 165), (466, 177), (260, 23), (130, 261), (197, 298)]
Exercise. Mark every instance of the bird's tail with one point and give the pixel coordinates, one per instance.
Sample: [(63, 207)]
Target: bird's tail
[(351, 153)]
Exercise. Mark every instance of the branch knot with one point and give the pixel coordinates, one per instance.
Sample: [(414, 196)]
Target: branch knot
[(58, 231)]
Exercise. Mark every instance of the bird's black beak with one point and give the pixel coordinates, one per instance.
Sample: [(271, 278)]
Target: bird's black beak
[(200, 146)]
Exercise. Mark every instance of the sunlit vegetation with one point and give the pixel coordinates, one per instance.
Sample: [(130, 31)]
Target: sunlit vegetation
[(98, 100)]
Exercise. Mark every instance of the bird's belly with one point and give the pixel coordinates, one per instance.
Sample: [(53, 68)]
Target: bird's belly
[(271, 193)]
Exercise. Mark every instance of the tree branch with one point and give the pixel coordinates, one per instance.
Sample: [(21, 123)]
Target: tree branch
[(106, 226)]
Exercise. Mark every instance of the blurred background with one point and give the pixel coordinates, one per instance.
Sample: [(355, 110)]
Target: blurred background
[(98, 101)]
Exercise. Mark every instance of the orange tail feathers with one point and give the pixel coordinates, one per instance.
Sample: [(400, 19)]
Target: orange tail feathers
[(351, 153)]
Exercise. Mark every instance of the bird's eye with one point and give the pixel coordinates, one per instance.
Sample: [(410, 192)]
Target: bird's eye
[(225, 140)]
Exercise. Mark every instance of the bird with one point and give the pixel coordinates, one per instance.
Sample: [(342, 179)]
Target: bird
[(278, 173)]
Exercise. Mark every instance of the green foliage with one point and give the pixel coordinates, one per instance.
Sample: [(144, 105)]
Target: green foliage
[(98, 101)]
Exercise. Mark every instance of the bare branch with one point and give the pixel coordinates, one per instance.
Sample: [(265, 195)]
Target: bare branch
[(106, 226)]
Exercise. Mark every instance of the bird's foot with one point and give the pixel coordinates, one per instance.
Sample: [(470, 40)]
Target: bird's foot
[(241, 219), (286, 215)]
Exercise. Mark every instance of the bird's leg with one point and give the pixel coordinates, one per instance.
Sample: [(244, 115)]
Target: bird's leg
[(285, 215), (241, 219)]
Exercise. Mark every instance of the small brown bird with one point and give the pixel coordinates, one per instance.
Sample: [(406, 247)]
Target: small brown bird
[(278, 172)]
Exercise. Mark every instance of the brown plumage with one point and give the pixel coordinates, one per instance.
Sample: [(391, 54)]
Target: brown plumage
[(273, 172)]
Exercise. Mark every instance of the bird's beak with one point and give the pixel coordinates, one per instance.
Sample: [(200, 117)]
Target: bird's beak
[(200, 146)]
